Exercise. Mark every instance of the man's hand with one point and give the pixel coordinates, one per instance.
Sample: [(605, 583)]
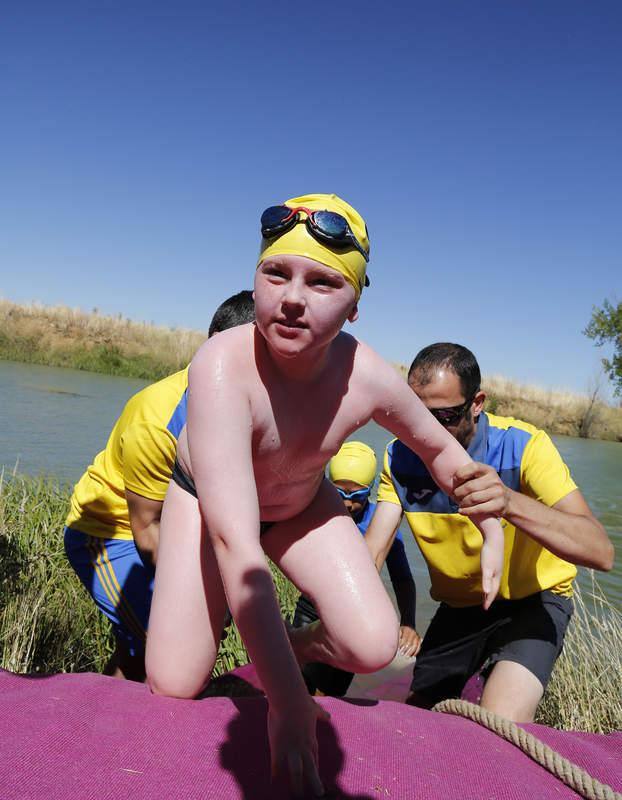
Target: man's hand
[(479, 490), (410, 641)]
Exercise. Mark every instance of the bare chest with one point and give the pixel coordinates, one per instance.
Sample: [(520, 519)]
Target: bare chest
[(295, 435)]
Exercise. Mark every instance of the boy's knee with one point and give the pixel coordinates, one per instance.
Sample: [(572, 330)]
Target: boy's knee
[(375, 648), (383, 652), (174, 685)]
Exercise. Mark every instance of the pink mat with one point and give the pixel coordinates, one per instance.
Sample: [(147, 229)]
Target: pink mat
[(78, 737)]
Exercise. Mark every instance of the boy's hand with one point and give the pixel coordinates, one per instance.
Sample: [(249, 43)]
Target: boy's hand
[(293, 747), (491, 559), (480, 492), (410, 641)]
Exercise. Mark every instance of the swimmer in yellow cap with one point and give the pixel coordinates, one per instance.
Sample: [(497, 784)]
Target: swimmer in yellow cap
[(333, 234), (268, 405), (353, 473)]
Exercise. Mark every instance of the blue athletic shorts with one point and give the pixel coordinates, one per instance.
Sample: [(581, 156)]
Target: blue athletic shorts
[(117, 579)]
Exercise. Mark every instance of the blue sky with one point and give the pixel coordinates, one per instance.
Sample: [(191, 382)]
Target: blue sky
[(140, 142)]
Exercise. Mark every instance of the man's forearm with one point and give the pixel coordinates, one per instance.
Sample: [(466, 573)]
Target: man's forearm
[(577, 538)]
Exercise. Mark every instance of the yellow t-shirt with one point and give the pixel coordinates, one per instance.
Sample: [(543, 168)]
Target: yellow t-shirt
[(139, 456), (528, 462)]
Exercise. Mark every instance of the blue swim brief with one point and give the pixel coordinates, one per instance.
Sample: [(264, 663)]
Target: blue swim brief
[(117, 579)]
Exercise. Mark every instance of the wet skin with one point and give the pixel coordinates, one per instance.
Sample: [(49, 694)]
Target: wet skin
[(268, 406)]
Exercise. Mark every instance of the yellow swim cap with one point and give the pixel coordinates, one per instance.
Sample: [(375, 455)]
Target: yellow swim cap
[(355, 462), (299, 242)]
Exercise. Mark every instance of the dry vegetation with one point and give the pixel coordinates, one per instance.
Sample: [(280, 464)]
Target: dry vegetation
[(585, 692), (65, 337)]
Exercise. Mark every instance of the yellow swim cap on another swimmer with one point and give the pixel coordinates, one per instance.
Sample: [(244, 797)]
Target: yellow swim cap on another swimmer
[(299, 242), (355, 462)]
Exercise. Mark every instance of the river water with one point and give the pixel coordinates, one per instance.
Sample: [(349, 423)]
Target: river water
[(55, 420)]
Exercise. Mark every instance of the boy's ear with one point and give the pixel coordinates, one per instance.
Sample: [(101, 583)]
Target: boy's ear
[(354, 314)]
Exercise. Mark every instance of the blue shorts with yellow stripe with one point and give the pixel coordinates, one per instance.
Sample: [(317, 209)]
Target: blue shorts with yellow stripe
[(117, 579)]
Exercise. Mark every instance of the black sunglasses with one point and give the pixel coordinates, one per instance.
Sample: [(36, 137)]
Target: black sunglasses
[(325, 226), (453, 414)]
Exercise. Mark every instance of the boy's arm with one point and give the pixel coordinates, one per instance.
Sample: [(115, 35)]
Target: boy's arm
[(398, 409), (219, 431)]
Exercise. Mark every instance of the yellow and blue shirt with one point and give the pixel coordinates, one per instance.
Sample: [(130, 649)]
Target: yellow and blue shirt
[(139, 456), (527, 461)]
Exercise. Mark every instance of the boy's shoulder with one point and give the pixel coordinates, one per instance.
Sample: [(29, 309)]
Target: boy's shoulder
[(371, 367)]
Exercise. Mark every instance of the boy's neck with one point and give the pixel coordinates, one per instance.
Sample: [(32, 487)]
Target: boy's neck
[(304, 368)]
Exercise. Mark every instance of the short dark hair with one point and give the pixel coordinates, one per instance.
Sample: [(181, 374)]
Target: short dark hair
[(456, 357), (236, 310)]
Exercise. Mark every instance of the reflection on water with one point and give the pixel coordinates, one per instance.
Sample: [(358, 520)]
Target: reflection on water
[(56, 420)]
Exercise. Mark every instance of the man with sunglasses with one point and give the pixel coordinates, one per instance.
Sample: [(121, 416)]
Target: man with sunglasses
[(353, 473), (518, 475)]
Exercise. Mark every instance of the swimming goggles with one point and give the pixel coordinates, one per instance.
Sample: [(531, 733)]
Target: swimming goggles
[(453, 414), (327, 227), (359, 496)]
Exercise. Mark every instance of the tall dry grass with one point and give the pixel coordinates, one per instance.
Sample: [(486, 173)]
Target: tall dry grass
[(556, 411), (68, 337), (585, 692)]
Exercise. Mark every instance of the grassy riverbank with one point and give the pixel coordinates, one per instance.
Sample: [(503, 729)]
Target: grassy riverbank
[(48, 623), (63, 337), (57, 336)]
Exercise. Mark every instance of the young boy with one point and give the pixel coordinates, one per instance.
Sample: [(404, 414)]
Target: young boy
[(353, 472), (269, 404)]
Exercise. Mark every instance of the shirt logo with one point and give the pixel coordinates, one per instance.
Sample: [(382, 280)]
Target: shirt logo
[(422, 493)]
